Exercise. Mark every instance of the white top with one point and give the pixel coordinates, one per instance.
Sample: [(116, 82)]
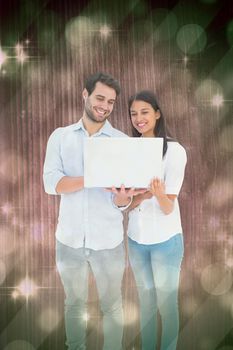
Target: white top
[(147, 222), (87, 217)]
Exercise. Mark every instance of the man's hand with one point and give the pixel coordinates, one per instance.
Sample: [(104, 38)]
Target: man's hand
[(123, 196)]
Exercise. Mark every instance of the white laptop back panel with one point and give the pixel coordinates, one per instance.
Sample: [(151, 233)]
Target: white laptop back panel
[(112, 161)]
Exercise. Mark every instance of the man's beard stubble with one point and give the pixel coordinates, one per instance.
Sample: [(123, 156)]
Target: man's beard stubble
[(90, 115)]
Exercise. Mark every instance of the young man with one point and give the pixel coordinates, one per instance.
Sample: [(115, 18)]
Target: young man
[(89, 233)]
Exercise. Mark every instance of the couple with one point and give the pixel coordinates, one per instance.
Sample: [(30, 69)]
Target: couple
[(89, 233)]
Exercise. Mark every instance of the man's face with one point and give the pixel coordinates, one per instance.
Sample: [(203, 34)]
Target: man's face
[(99, 104)]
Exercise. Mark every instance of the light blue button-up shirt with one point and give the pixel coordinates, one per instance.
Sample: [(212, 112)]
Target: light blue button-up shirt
[(87, 217)]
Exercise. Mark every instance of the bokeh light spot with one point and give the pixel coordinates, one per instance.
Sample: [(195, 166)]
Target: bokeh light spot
[(27, 287), (7, 242), (19, 345), (6, 208), (79, 31), (2, 272), (190, 305), (86, 317), (216, 279), (219, 192), (207, 90), (217, 100), (105, 31), (3, 57), (226, 140), (15, 294), (191, 39), (227, 301), (49, 319)]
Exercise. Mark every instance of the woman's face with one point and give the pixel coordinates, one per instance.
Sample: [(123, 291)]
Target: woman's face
[(144, 117)]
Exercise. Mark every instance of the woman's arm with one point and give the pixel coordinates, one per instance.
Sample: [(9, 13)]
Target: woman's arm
[(157, 189), (137, 200), (166, 201)]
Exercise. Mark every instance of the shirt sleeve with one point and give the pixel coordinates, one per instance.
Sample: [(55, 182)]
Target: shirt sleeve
[(53, 168), (175, 169), (122, 208)]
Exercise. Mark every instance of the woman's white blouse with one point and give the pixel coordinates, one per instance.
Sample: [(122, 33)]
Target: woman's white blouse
[(147, 222)]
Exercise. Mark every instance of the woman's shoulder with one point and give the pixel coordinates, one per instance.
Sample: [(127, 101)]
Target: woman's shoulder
[(175, 148), (174, 144)]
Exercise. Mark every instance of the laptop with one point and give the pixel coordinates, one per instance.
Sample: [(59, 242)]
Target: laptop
[(113, 161)]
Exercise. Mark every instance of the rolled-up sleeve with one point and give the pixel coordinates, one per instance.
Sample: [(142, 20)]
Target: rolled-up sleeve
[(53, 167), (175, 169)]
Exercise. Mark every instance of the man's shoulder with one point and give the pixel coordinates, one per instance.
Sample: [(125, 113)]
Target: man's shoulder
[(64, 129)]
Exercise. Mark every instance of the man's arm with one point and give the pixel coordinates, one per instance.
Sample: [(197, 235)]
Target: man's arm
[(69, 184), (55, 179)]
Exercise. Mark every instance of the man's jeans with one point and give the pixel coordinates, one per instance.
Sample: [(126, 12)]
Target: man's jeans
[(156, 270), (108, 267)]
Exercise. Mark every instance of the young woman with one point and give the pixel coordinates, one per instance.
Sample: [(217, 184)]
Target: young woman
[(155, 232)]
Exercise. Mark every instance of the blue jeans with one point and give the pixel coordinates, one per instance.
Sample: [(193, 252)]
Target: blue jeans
[(156, 270), (108, 267)]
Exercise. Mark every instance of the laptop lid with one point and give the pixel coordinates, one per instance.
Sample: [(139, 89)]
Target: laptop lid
[(113, 161)]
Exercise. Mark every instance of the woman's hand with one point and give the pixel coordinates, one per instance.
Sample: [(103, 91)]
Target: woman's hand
[(157, 187), (166, 201)]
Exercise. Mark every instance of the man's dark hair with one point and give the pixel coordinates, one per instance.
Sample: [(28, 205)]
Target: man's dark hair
[(103, 78)]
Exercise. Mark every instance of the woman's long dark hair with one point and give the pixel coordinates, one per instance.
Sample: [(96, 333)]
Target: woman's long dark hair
[(160, 126)]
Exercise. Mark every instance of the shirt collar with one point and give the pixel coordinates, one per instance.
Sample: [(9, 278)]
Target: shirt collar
[(106, 129)]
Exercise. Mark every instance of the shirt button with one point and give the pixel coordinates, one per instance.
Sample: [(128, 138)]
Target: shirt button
[(87, 252)]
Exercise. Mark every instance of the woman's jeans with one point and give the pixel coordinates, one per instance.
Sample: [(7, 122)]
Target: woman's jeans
[(108, 267), (156, 270)]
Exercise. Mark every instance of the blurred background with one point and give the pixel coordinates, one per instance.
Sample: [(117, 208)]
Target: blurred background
[(183, 50)]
